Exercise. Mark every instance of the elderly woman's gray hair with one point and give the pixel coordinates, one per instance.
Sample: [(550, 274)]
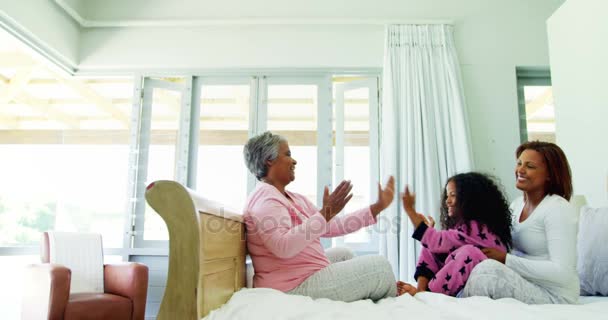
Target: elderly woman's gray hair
[(260, 149)]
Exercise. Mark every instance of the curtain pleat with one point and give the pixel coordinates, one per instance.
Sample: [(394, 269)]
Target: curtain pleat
[(424, 137)]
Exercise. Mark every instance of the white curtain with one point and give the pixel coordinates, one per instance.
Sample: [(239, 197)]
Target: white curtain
[(424, 136)]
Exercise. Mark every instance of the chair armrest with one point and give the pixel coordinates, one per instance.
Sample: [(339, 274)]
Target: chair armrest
[(128, 280), (46, 291)]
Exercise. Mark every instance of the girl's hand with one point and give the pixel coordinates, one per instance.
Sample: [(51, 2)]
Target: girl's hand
[(429, 221), (403, 288), (495, 254), (409, 200)]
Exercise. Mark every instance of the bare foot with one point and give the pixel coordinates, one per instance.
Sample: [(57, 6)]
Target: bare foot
[(403, 288)]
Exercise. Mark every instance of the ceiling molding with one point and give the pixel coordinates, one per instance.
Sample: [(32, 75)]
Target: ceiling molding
[(254, 22), (13, 28), (72, 13), (269, 21), (222, 73)]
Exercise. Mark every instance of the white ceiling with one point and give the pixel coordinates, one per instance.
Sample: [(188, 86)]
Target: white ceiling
[(111, 13), (114, 10)]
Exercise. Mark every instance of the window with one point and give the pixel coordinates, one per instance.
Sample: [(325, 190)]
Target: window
[(65, 149), (356, 150), (224, 126), (206, 154), (292, 113), (164, 119), (536, 107), (64, 145)]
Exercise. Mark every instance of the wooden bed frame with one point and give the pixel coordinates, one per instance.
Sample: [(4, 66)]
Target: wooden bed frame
[(207, 251)]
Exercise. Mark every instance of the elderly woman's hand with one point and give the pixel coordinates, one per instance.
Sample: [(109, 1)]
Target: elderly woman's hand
[(385, 196), (334, 203)]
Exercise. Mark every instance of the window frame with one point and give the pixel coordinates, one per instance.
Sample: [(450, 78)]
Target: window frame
[(372, 83), (142, 141), (528, 77)]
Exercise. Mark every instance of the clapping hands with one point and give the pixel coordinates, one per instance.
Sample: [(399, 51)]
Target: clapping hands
[(409, 202), (334, 203), (385, 196)]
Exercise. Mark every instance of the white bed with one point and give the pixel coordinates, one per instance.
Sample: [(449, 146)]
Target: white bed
[(250, 304), (207, 278)]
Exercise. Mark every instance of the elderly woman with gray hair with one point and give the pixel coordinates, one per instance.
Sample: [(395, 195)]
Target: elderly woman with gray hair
[(284, 231)]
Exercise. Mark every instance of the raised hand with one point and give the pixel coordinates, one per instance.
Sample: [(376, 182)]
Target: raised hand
[(385, 196), (429, 221), (334, 203), (409, 201)]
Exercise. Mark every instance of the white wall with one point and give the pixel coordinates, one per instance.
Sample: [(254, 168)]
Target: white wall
[(232, 47), (54, 29), (578, 42)]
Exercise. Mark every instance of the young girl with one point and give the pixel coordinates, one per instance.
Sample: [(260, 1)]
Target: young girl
[(474, 215)]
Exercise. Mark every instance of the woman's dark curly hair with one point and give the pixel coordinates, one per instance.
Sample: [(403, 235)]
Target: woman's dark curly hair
[(479, 197)]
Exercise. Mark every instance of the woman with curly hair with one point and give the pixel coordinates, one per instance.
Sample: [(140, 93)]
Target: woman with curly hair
[(474, 216)]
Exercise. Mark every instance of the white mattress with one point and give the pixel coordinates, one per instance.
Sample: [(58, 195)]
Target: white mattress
[(592, 299), (250, 304)]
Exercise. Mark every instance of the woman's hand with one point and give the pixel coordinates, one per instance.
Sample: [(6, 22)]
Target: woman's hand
[(495, 254), (409, 201), (385, 197), (334, 203)]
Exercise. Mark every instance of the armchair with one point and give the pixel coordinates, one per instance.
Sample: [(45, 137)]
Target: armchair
[(47, 293)]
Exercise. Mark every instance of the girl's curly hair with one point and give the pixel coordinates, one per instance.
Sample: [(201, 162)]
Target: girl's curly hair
[(479, 197)]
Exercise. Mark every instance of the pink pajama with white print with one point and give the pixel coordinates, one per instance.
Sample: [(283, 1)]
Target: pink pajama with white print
[(448, 256)]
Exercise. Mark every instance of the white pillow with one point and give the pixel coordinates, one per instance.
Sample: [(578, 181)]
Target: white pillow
[(593, 251)]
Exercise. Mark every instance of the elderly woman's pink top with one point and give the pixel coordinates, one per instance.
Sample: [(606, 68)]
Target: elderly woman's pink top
[(283, 236)]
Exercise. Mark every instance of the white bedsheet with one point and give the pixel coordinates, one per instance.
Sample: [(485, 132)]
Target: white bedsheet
[(591, 299), (251, 304)]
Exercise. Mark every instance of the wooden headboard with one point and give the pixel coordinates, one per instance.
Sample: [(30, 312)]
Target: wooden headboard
[(206, 251)]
